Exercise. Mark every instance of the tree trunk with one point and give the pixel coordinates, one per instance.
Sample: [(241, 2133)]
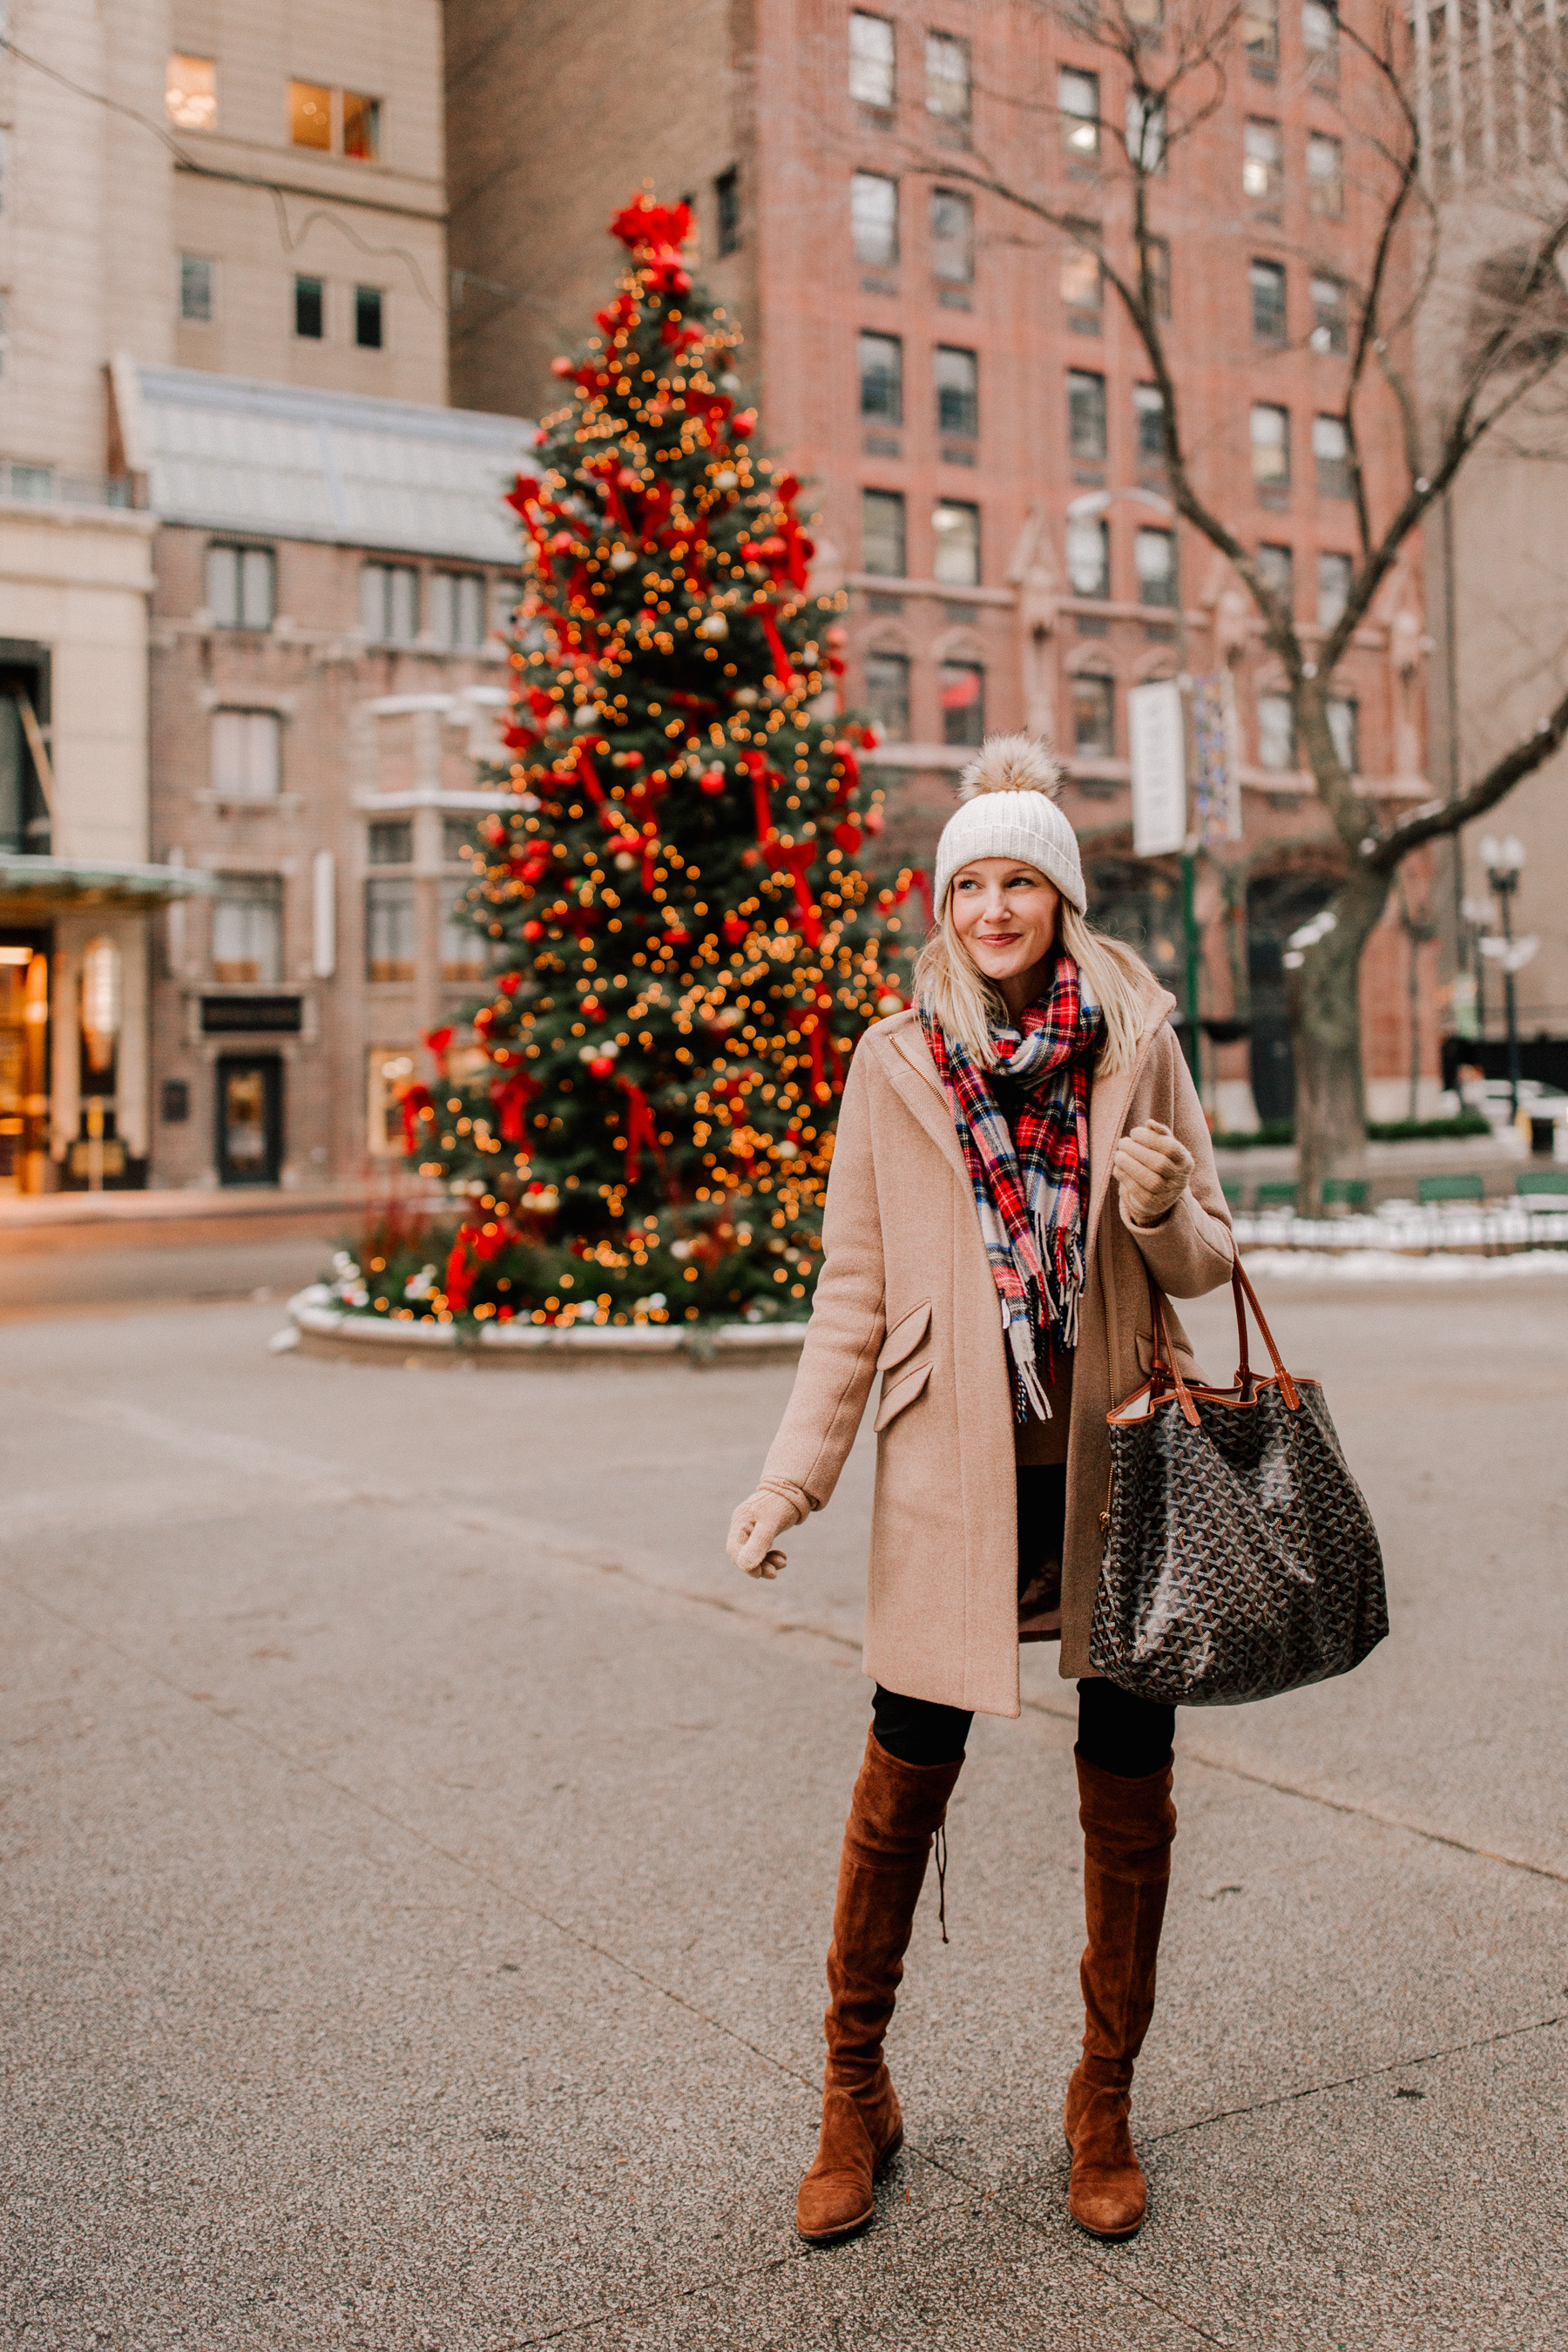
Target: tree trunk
[(1325, 1032)]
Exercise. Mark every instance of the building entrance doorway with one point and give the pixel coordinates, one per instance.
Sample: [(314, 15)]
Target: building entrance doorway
[(1276, 905), (24, 1062), (250, 1118)]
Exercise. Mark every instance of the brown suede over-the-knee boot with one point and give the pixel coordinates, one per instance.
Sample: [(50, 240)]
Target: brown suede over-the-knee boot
[(893, 1816), (1127, 1826)]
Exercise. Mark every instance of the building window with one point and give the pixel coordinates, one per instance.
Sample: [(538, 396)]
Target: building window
[(947, 77), (389, 602), (246, 753), (952, 236), (1320, 39), (390, 840), (873, 218), (389, 931), (390, 1068), (1276, 568), (956, 530), (247, 930), (1154, 556), (1145, 132), (1271, 445), (196, 290), (462, 946), (957, 391), (1330, 324), (1260, 30), (190, 92), (726, 202), (1082, 288), (361, 127), (334, 121), (457, 839), (310, 115), (1344, 718), (1078, 107), (883, 534), (241, 587), (880, 358), (1333, 589), (1267, 280), (1149, 424), (505, 598), (1325, 176), (1088, 556), (1331, 457), (458, 608), (1085, 415), (1262, 160), (310, 309), (1158, 255), (887, 695), (1093, 717), (871, 60), (961, 687), (1275, 734), (368, 318)]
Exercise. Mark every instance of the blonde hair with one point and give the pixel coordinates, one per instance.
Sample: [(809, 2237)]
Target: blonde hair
[(950, 987)]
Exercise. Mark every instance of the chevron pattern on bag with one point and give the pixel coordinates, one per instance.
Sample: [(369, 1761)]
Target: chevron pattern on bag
[(1240, 1557)]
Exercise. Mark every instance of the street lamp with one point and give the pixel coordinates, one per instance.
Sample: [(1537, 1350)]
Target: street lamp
[(1504, 862)]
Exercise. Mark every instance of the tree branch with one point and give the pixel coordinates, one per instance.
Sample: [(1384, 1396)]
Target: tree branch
[(1447, 817)]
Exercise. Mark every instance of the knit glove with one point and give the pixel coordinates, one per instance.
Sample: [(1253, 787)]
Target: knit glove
[(754, 1530), (1152, 1167)]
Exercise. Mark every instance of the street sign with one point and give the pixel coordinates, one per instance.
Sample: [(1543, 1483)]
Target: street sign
[(1155, 730)]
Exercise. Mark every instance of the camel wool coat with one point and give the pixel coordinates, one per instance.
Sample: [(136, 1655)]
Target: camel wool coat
[(906, 1290)]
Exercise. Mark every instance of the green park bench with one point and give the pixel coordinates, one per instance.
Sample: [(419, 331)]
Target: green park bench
[(1345, 1193), (1535, 1181), (1432, 1190), (1274, 1196)]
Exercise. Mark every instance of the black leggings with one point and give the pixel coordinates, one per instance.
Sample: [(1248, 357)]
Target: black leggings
[(1123, 1735)]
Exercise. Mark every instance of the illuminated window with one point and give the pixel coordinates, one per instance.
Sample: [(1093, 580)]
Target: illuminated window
[(190, 92), (1083, 285), (361, 127), (871, 60), (1077, 105), (1262, 159), (1330, 325), (390, 1069), (310, 115)]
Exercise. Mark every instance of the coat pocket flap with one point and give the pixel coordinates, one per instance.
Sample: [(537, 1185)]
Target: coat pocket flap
[(905, 1336), (896, 1394)]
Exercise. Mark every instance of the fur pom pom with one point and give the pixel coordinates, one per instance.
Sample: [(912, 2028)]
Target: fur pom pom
[(1011, 763)]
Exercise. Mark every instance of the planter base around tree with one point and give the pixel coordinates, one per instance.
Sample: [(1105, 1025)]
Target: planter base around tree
[(319, 1330)]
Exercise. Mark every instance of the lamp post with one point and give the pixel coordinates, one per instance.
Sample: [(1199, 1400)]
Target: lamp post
[(1504, 862)]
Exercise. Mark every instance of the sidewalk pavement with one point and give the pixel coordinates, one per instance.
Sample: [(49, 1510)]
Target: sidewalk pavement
[(419, 1849)]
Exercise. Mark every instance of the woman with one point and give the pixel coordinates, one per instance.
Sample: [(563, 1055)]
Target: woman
[(1028, 1139)]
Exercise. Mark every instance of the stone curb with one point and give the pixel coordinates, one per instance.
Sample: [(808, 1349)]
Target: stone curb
[(318, 1330)]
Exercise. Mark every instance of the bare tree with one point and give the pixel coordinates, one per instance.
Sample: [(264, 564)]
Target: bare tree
[(1496, 333)]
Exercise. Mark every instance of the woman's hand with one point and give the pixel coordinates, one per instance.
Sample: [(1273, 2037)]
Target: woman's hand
[(754, 1530), (1152, 1168)]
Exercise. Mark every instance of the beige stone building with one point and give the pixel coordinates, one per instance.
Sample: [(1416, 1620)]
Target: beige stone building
[(181, 183)]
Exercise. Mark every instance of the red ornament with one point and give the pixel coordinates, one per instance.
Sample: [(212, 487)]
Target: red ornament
[(509, 983), (603, 1065), (533, 930), (631, 758), (561, 367), (736, 929), (711, 781), (847, 837), (744, 425), (872, 820), (678, 938)]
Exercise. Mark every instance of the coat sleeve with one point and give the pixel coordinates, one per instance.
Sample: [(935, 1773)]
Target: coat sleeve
[(1191, 1250), (839, 1360)]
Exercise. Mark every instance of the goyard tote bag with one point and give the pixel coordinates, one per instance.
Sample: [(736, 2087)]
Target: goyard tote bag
[(1240, 1559)]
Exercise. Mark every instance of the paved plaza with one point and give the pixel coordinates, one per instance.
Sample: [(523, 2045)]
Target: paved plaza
[(419, 1847)]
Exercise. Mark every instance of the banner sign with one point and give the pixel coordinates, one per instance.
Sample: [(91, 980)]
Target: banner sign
[(1216, 765), (1155, 730)]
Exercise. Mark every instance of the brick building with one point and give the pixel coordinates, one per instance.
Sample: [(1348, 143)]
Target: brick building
[(326, 673), (960, 390)]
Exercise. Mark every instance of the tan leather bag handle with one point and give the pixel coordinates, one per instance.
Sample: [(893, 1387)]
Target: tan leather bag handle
[(1164, 1369)]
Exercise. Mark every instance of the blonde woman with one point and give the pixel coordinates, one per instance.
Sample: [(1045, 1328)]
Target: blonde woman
[(1014, 1157)]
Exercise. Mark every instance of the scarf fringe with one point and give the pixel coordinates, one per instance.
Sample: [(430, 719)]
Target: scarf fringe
[(1021, 1338)]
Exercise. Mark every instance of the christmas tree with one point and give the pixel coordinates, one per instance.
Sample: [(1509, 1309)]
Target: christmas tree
[(686, 950)]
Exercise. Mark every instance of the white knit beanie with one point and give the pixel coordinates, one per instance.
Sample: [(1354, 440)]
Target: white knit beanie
[(1009, 810)]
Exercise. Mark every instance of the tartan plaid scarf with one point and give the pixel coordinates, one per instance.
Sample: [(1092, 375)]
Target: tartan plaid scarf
[(1031, 1194)]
